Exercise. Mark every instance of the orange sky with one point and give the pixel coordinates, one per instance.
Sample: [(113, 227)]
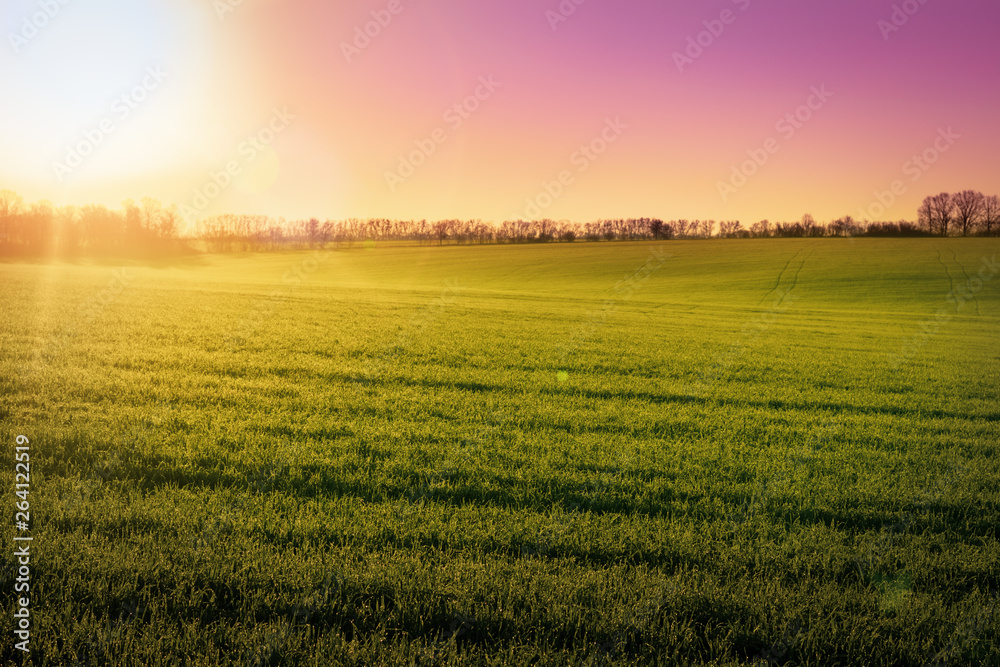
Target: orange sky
[(612, 110)]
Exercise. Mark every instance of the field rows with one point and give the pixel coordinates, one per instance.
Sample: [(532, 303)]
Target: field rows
[(694, 453)]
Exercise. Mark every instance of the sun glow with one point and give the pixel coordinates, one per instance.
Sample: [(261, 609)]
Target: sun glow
[(105, 92), (102, 101)]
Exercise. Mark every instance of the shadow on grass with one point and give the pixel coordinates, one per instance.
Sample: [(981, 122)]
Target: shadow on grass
[(360, 607), (739, 510), (665, 398)]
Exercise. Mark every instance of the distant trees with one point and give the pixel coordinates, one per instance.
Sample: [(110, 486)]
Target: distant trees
[(43, 229), (901, 228), (760, 229), (441, 230), (10, 206), (936, 213), (969, 206), (808, 225), (147, 227), (789, 230), (845, 226), (991, 214), (255, 233), (968, 211), (732, 229), (656, 229)]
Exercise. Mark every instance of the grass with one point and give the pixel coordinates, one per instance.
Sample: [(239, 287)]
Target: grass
[(694, 453)]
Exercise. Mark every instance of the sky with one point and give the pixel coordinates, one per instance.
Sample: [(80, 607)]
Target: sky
[(502, 109)]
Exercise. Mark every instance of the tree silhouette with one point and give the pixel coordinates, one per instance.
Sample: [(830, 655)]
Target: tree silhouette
[(968, 210), (761, 229), (991, 213), (10, 206), (937, 213)]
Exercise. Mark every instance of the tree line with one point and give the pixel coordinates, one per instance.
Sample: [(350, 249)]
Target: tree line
[(968, 212), (149, 227), (40, 228)]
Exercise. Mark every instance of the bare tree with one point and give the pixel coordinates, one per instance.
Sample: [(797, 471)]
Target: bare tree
[(925, 215), (968, 210), (40, 231), (991, 213), (761, 229), (937, 213), (152, 209), (10, 205), (441, 229), (729, 228), (656, 228), (312, 231), (842, 227), (103, 229), (169, 225), (808, 225), (68, 228)]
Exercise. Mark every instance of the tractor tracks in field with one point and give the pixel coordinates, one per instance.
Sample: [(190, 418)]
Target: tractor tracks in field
[(781, 275), (795, 278), (758, 325), (958, 297), (946, 271), (951, 279), (968, 279)]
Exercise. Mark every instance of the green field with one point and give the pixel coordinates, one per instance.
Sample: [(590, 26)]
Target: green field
[(724, 452)]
